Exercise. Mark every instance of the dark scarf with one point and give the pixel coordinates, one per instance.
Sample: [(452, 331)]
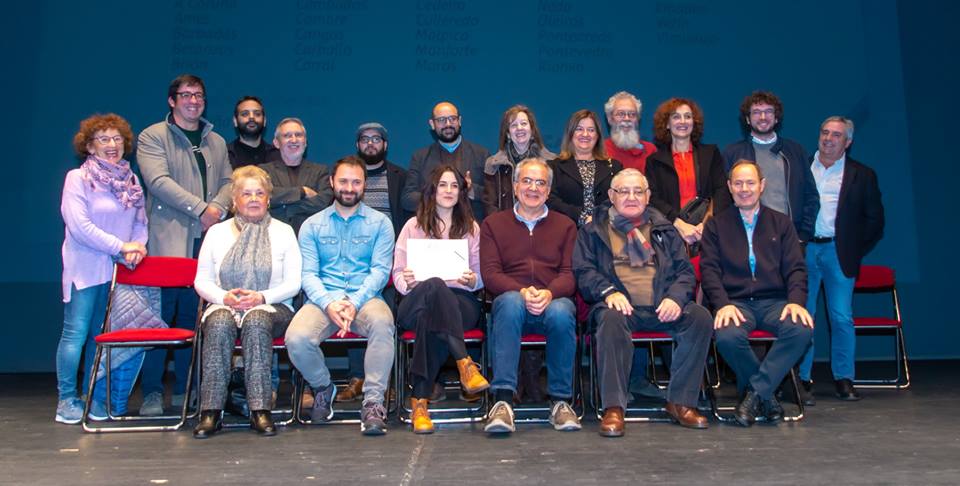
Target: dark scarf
[(533, 150), (638, 248), (249, 263), (117, 177)]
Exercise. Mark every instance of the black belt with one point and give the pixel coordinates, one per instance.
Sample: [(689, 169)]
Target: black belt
[(817, 239)]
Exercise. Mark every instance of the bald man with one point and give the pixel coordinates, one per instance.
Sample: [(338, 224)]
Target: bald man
[(448, 147)]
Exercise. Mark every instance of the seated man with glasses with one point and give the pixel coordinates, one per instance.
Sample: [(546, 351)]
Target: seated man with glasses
[(449, 148), (631, 264), (525, 260)]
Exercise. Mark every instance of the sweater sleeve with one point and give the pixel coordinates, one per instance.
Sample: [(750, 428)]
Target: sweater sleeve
[(286, 248), (400, 257), (206, 283), (491, 265), (75, 210)]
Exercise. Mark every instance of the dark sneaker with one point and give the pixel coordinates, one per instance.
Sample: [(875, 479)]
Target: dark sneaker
[(373, 419), (323, 403), (500, 420), (772, 410)]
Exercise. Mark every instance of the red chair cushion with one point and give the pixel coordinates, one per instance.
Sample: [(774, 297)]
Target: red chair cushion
[(349, 335), (874, 277), (533, 338), (145, 335), (471, 335), (875, 322), (157, 271), (649, 335), (758, 334), (276, 342)]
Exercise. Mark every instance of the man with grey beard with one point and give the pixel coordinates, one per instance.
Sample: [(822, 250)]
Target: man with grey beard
[(624, 144), (300, 188)]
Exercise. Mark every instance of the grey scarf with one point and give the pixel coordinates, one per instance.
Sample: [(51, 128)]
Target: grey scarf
[(249, 262)]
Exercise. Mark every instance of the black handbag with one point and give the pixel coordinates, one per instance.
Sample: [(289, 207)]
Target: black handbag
[(695, 210)]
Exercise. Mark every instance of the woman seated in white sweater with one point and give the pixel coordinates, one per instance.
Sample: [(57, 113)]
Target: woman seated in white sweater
[(249, 272)]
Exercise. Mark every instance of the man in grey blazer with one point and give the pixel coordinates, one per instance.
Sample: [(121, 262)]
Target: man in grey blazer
[(300, 188), (187, 177)]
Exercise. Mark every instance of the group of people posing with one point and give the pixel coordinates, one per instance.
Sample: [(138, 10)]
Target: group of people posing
[(613, 220)]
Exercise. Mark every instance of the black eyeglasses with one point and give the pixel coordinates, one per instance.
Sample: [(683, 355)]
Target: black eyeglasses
[(186, 95)]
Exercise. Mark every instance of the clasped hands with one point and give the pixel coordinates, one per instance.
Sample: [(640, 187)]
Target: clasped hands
[(243, 299), (341, 312), (133, 253)]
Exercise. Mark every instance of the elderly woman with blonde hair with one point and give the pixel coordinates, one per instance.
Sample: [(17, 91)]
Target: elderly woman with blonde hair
[(249, 272)]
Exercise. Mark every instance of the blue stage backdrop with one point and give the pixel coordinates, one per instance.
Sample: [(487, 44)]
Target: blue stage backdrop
[(338, 63)]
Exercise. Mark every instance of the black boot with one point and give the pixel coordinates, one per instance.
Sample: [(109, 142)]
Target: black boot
[(772, 410), (748, 409), (211, 421), (237, 394), (261, 421)]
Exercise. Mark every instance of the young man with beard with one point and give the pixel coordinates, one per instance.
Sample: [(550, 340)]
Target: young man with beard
[(250, 119), (448, 148), (624, 144), (300, 188), (347, 254)]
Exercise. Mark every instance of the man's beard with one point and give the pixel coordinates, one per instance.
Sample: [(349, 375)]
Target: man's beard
[(445, 139), (372, 159), (250, 133), (625, 138), (348, 204), (762, 132)]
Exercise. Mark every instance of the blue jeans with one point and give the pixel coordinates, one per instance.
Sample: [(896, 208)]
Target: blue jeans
[(557, 322), (823, 265), (179, 309), (82, 320)]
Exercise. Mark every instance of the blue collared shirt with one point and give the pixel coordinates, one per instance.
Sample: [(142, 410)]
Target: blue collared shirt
[(346, 258), (452, 146), (829, 180), (750, 226), (529, 222)]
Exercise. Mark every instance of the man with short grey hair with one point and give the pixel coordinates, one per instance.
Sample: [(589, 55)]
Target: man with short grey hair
[(300, 188), (623, 114)]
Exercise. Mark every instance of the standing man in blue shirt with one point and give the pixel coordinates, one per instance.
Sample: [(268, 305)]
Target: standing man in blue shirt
[(347, 253), (849, 225)]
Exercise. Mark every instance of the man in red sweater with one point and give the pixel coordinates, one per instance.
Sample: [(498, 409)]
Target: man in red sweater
[(525, 261)]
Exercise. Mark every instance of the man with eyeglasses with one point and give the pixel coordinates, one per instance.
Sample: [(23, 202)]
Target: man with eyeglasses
[(631, 264), (623, 114), (525, 260), (250, 119), (449, 148), (187, 177)]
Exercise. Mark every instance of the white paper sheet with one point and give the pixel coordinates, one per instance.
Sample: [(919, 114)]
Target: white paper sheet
[(445, 259)]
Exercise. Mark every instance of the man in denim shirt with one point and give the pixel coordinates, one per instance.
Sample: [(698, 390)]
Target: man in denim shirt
[(347, 253)]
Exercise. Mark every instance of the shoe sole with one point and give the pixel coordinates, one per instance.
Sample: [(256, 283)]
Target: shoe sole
[(696, 426), (474, 391), (611, 433), (567, 427), (63, 420), (498, 428), (372, 431), (423, 431)]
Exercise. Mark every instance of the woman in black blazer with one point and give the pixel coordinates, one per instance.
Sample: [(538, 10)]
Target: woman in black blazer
[(582, 172), (683, 168)]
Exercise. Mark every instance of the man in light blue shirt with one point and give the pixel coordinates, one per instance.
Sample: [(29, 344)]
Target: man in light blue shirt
[(347, 253)]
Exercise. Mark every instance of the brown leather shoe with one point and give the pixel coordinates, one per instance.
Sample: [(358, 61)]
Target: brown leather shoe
[(306, 400), (470, 378), (686, 416), (420, 417), (612, 423), (353, 391)]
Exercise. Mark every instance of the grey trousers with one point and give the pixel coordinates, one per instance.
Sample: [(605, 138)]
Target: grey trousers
[(692, 332), (256, 337), (311, 326)]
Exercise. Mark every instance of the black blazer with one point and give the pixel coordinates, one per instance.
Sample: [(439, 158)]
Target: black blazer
[(396, 179), (566, 193), (859, 223), (288, 203), (665, 184)]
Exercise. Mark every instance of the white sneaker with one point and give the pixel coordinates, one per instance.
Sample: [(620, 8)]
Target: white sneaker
[(563, 417), (500, 420), (152, 405)]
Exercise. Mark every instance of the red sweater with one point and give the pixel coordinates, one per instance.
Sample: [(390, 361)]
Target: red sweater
[(512, 258)]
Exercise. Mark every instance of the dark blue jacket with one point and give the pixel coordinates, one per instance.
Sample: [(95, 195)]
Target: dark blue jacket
[(801, 187), (593, 262)]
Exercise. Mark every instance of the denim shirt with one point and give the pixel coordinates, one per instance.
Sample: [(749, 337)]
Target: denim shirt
[(346, 258)]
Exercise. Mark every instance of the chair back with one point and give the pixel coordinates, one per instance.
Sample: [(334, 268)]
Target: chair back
[(875, 277), (159, 271)]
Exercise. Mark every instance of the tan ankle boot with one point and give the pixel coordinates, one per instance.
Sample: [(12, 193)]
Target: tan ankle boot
[(470, 378), (420, 416)]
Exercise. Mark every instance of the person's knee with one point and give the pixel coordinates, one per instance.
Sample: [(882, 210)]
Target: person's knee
[(560, 314), (298, 335), (258, 319), (509, 311), (219, 320), (698, 317), (433, 284), (730, 337)]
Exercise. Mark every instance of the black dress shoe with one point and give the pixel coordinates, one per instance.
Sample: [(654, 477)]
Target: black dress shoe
[(261, 421), (846, 391), (748, 409), (806, 393), (211, 421), (772, 410)]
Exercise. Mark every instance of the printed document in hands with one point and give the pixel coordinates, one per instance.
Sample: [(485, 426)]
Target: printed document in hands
[(446, 259)]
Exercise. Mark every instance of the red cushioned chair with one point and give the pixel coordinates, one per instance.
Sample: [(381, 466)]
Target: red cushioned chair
[(878, 279), (153, 271), (438, 414)]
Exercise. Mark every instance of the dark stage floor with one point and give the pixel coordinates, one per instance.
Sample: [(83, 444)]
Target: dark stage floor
[(891, 437)]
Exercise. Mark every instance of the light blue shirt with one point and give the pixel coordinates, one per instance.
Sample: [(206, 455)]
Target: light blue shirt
[(346, 258), (828, 182), (529, 222), (452, 146), (750, 226)]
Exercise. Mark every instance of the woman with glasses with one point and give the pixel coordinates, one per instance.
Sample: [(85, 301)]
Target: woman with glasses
[(519, 139), (439, 311), (105, 223), (687, 180), (582, 172)]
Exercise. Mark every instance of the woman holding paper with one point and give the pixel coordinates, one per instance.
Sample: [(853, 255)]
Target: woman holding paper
[(439, 310)]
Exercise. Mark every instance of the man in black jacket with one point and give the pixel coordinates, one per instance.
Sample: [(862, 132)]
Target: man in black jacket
[(631, 264), (849, 225), (754, 274), (790, 188), (300, 188)]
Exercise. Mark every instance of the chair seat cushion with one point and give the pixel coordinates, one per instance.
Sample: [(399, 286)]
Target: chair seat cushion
[(649, 336), (759, 334), (277, 342), (145, 335), (875, 322), (473, 335)]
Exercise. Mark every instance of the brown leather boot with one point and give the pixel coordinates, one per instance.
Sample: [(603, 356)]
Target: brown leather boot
[(612, 423), (420, 416), (470, 378), (352, 391)]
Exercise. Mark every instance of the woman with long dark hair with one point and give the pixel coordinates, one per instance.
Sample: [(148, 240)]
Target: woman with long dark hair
[(439, 311), (519, 139)]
